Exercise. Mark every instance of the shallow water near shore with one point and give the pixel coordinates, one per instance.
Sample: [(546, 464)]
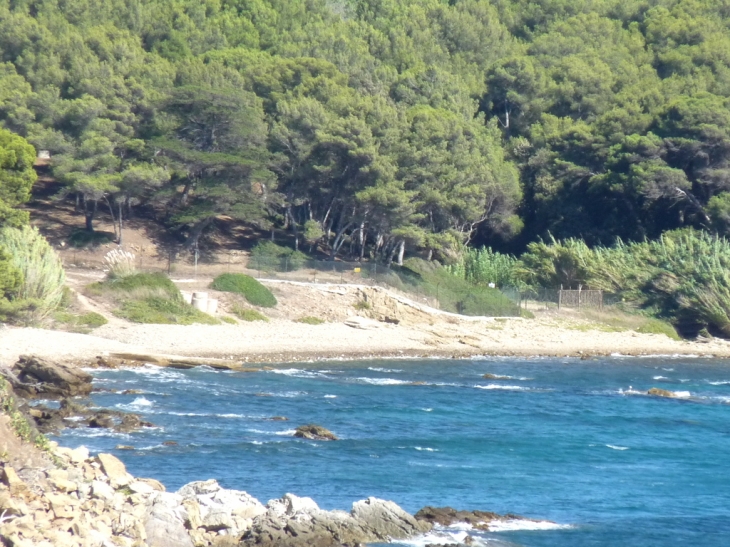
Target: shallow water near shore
[(569, 441)]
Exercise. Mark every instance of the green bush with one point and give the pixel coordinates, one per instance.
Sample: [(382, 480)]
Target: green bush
[(41, 270), (268, 256), (146, 281), (86, 321), (657, 326), (248, 314), (245, 285), (80, 239), (163, 310), (229, 320), (484, 266), (310, 320)]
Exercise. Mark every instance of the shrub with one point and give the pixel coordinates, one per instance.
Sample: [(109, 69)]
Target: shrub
[(120, 263), (156, 282), (229, 320), (83, 238), (86, 321), (248, 314), (245, 285), (310, 320), (362, 305), (92, 320), (42, 273), (484, 266), (269, 256), (163, 310)]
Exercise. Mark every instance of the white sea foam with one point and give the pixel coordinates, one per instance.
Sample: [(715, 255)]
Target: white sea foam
[(524, 524), (660, 378), (426, 449), (682, 394), (438, 537), (615, 447), (506, 388), (719, 383), (330, 396), (378, 369), (298, 373), (506, 377), (140, 403), (286, 433), (427, 409), (383, 381)]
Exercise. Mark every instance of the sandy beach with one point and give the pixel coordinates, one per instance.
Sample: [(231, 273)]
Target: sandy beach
[(392, 326)]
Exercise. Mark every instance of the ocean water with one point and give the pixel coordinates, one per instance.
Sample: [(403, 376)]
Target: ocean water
[(568, 441)]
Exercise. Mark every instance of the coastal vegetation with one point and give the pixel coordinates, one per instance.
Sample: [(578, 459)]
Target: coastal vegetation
[(148, 298), (540, 133), (253, 291), (248, 314)]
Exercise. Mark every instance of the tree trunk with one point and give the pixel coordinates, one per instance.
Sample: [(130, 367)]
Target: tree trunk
[(192, 240), (114, 220), (339, 240), (89, 213), (362, 240), (401, 251), (290, 217), (121, 225)]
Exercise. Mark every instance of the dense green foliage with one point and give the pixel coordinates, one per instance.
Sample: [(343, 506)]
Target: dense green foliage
[(376, 127), (16, 177), (245, 285), (683, 276), (453, 293), (484, 266)]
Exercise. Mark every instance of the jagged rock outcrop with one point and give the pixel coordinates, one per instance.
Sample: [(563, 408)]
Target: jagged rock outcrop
[(315, 433), (479, 520), (298, 522), (658, 392), (32, 377)]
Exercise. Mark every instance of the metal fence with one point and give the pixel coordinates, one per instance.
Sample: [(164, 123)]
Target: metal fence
[(484, 301)]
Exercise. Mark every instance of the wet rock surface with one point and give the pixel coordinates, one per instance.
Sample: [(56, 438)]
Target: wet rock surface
[(315, 433)]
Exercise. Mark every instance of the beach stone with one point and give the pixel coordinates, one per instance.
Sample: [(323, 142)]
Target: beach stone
[(140, 487), (164, 522), (115, 470), (10, 477), (197, 488), (357, 322), (315, 432), (102, 490), (154, 483), (387, 519)]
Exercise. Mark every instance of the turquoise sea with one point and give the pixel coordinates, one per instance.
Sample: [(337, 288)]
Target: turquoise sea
[(568, 441)]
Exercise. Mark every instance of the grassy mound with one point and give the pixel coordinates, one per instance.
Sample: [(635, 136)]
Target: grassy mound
[(245, 285), (149, 298), (162, 310)]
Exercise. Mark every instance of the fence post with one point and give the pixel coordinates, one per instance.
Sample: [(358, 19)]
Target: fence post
[(560, 297)]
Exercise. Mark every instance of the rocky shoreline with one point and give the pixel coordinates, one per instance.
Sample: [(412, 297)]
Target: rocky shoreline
[(53, 496)]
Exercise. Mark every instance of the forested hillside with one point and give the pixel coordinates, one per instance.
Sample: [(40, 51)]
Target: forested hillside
[(396, 125)]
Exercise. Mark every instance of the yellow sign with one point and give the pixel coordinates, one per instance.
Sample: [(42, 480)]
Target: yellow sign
[(356, 270)]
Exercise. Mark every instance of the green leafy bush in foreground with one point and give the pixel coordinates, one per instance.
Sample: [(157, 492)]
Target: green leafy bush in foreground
[(245, 285), (32, 273)]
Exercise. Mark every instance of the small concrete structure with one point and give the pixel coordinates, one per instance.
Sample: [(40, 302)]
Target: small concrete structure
[(200, 301)]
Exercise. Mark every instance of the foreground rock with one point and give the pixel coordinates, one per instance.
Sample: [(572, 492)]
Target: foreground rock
[(32, 376), (315, 433), (59, 497), (298, 522)]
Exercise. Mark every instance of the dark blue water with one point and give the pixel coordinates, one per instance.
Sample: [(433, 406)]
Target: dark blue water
[(562, 440)]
